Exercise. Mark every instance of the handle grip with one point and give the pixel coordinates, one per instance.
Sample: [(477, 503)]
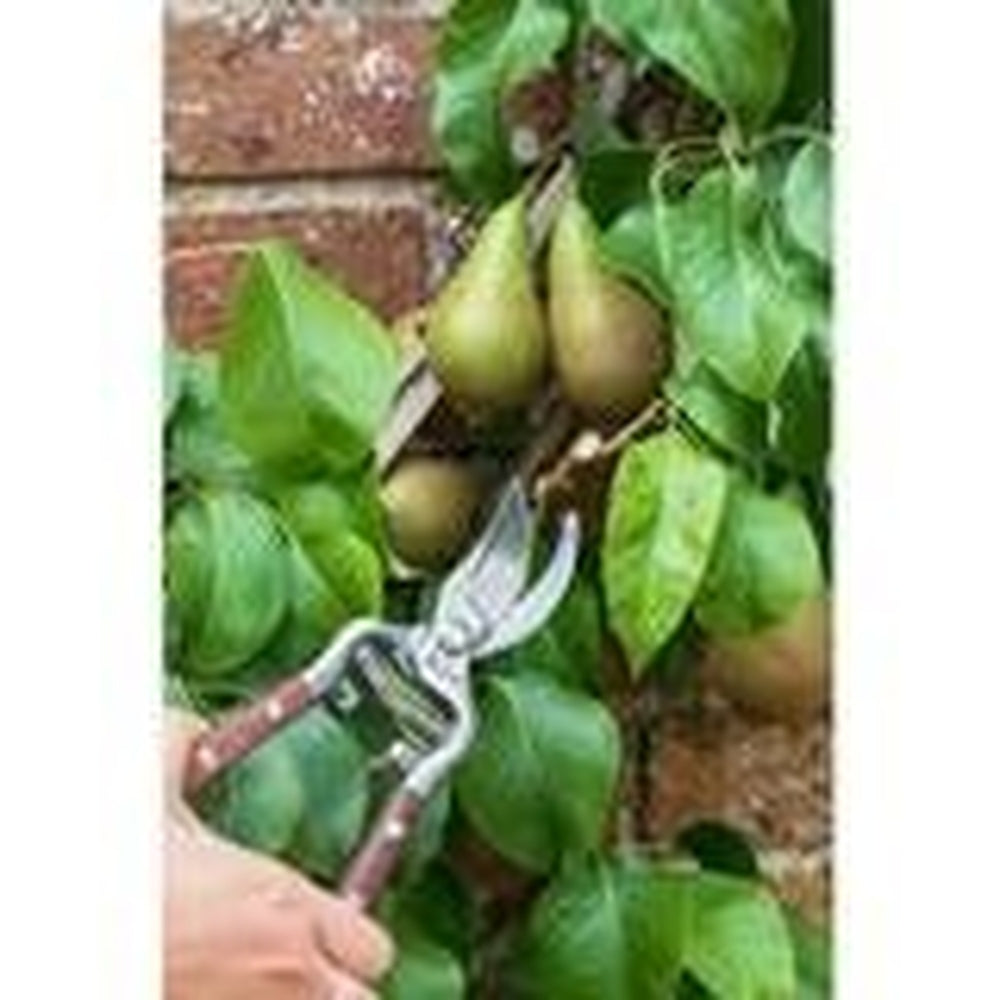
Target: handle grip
[(244, 730), (377, 858)]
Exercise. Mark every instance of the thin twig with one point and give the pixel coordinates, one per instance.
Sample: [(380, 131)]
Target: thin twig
[(589, 450)]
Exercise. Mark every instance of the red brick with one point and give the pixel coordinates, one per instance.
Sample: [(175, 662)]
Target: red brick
[(771, 781), (334, 95), (378, 254)]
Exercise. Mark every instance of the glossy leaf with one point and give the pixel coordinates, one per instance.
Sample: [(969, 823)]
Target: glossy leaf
[(801, 427), (735, 52), (307, 372), (568, 648), (738, 944), (807, 199), (736, 298), (441, 903), (172, 384), (813, 959), (226, 576), (667, 499), (613, 179), (313, 616), (486, 49), (732, 422), (766, 563), (199, 450), (424, 969), (540, 778), (631, 930), (188, 568), (630, 246), (601, 931), (809, 93), (258, 802), (326, 522), (331, 769)]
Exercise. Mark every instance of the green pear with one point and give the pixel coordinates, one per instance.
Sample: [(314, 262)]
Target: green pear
[(609, 341), (486, 336), (429, 504), (781, 672)]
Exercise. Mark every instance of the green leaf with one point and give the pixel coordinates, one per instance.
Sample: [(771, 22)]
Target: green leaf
[(331, 769), (667, 499), (739, 946), (226, 568), (568, 648), (801, 411), (307, 373), (314, 614), (542, 773), (736, 298), (424, 969), (614, 179), (198, 448), (605, 930), (766, 562), (732, 422), (441, 903), (736, 52), (172, 385), (486, 49), (628, 930), (188, 568), (259, 801), (807, 199), (326, 522), (813, 959), (810, 90), (630, 247)]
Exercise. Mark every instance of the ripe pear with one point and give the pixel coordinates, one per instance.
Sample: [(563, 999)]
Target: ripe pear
[(486, 336), (781, 672), (609, 341), (430, 504)]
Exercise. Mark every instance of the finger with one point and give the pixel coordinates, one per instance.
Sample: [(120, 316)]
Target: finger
[(352, 940), (337, 985), (180, 731)]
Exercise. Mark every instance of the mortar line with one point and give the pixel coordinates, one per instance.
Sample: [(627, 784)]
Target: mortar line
[(277, 194)]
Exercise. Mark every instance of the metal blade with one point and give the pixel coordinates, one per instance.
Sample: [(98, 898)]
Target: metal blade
[(495, 572), (536, 607)]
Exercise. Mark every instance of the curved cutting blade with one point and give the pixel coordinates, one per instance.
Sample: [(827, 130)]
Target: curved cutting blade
[(535, 608), (495, 571)]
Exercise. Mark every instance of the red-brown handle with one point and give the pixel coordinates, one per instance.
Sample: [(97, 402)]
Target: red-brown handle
[(374, 863), (243, 730)]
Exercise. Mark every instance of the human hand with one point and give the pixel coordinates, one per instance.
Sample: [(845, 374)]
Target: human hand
[(240, 926)]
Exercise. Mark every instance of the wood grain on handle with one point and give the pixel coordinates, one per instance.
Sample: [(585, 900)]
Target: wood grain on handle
[(374, 863), (244, 730)]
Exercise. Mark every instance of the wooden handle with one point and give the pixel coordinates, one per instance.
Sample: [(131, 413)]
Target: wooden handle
[(374, 863), (243, 730)]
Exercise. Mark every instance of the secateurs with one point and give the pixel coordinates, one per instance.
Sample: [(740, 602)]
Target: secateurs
[(412, 683)]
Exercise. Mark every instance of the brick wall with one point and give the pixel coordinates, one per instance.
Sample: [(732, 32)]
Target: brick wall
[(316, 129)]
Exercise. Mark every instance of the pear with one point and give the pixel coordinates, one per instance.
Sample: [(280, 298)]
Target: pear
[(609, 341), (430, 504), (486, 336), (781, 672)]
